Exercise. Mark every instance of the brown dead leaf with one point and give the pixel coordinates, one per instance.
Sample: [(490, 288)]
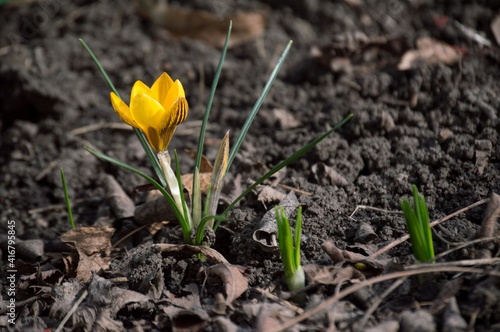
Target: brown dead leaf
[(489, 226), (235, 283), (93, 246), (205, 165), (495, 28), (331, 275), (187, 182), (204, 25), (281, 118), (326, 175), (337, 255), (187, 249), (266, 235), (429, 51), (189, 320), (119, 202)]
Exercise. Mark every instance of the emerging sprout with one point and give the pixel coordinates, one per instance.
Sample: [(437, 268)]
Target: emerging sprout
[(290, 249), (417, 221)]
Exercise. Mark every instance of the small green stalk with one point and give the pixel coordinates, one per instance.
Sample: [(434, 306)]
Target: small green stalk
[(418, 223), (290, 250), (66, 200)]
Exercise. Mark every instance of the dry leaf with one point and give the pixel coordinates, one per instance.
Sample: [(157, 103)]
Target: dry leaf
[(281, 118), (30, 250), (331, 275), (235, 283), (189, 321), (187, 249), (266, 234), (489, 226), (93, 246), (337, 255), (119, 202), (204, 25), (365, 234), (205, 165), (495, 28), (326, 175), (429, 51)]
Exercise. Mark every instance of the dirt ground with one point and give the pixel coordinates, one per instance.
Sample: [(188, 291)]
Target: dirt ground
[(422, 80)]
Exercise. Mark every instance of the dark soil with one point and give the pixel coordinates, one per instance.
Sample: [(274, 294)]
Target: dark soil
[(435, 126)]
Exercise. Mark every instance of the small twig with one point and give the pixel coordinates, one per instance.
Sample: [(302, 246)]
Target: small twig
[(99, 126), (377, 302), (366, 207), (297, 191), (284, 303), (466, 244), (434, 223), (73, 309), (129, 235)]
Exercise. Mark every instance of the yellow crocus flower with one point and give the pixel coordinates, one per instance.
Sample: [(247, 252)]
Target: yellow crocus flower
[(157, 111)]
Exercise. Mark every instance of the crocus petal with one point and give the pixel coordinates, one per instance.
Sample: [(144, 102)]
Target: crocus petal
[(161, 86), (138, 89), (171, 119), (176, 91), (147, 112), (122, 110)]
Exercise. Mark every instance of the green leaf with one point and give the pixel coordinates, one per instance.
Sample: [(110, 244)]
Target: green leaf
[(285, 242), (298, 234), (186, 227), (201, 139), (66, 200), (257, 105)]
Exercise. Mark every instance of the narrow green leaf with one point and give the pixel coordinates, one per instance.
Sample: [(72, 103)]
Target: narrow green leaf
[(284, 163), (181, 189), (201, 139), (66, 200), (257, 105), (285, 241), (298, 234), (101, 68), (196, 197), (186, 228)]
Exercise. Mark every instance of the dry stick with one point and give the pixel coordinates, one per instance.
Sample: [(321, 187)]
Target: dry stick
[(99, 126), (332, 300), (434, 223), (466, 244), (73, 309), (367, 207), (129, 235), (189, 127), (377, 302)]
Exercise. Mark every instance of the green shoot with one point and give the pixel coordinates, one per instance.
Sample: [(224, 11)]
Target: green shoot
[(66, 200), (417, 221), (290, 249)]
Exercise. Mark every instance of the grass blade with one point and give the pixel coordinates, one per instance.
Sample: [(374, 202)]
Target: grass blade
[(298, 234), (257, 105), (201, 139), (66, 200)]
